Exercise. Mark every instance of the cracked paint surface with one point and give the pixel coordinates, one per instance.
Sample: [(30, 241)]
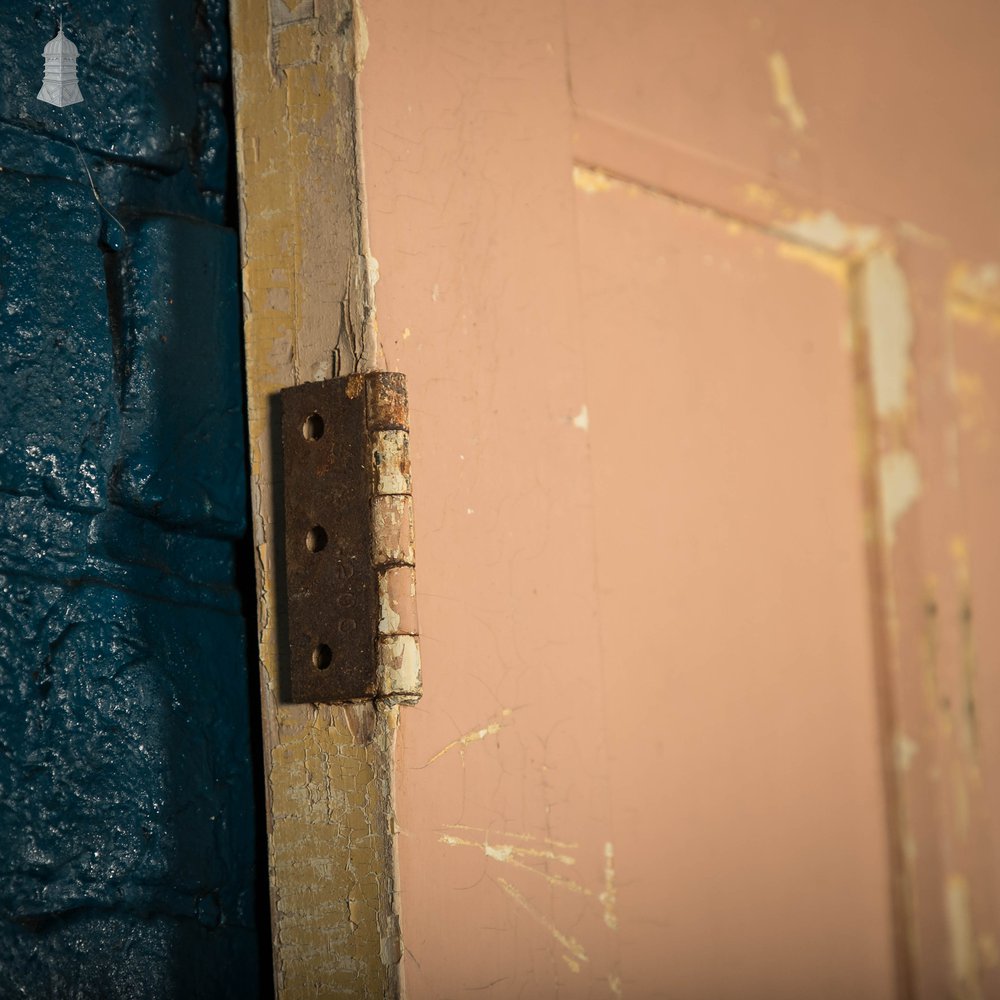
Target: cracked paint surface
[(308, 282)]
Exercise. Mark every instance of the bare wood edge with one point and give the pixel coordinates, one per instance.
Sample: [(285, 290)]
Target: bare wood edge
[(304, 242)]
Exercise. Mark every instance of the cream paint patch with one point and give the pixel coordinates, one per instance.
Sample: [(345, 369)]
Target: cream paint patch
[(975, 312), (582, 419), (592, 181), (899, 479), (889, 321), (784, 93), (400, 663), (904, 750), (829, 231), (976, 281)]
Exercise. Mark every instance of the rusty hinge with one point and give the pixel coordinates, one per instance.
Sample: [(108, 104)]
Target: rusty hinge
[(351, 589)]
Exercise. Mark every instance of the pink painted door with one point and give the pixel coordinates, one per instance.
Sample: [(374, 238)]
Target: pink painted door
[(669, 342)]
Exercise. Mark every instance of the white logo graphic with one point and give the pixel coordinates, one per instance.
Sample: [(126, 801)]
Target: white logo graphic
[(59, 86)]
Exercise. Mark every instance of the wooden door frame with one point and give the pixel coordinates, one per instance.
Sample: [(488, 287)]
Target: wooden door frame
[(308, 314)]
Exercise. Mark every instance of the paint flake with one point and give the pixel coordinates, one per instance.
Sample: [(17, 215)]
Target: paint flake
[(889, 320), (828, 231), (592, 181)]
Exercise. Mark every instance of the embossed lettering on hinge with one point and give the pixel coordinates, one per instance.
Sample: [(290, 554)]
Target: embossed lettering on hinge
[(351, 588)]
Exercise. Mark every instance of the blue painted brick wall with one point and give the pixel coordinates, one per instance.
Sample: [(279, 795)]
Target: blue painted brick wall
[(126, 802)]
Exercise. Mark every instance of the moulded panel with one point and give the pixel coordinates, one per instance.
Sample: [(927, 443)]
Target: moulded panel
[(882, 106), (746, 791)]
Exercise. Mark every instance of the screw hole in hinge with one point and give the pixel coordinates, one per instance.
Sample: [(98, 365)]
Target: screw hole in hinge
[(316, 539), (312, 429), (322, 656)]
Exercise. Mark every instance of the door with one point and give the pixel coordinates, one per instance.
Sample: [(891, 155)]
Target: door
[(694, 549)]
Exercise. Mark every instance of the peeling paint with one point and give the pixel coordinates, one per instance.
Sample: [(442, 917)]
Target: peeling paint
[(899, 481), (615, 985), (784, 93), (830, 232), (975, 281), (582, 419), (889, 322), (399, 666), (328, 769), (592, 181)]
